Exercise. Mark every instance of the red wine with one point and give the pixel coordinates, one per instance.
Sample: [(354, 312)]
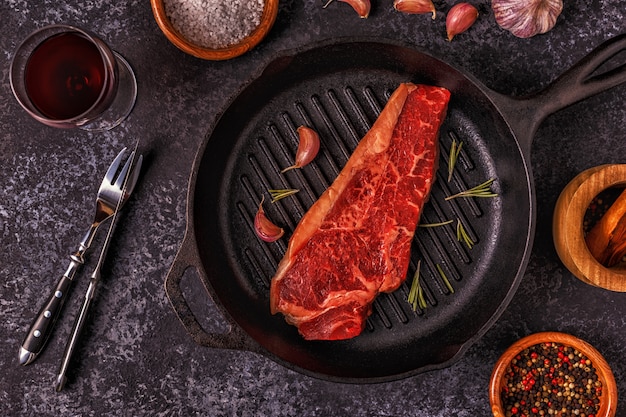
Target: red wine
[(64, 76)]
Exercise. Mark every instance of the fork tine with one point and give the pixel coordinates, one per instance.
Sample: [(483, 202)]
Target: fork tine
[(119, 182), (110, 174)]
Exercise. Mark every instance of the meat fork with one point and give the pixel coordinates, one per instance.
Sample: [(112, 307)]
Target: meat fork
[(110, 195)]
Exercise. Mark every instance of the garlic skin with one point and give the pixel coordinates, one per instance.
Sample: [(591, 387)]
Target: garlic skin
[(526, 18), (415, 7), (460, 18)]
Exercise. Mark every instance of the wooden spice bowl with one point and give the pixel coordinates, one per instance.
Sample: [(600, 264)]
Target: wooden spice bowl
[(608, 398), (268, 18), (568, 232)]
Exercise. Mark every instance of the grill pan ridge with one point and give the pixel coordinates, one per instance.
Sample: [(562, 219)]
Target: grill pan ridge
[(339, 89)]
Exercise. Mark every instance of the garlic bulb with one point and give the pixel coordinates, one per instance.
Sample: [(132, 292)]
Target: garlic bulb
[(526, 18)]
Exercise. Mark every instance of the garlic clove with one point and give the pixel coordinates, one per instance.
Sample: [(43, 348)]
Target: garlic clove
[(526, 18), (362, 7), (415, 7), (264, 228), (460, 17), (308, 147)]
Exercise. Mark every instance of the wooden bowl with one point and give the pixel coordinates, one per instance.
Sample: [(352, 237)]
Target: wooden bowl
[(608, 399), (567, 226), (267, 21)]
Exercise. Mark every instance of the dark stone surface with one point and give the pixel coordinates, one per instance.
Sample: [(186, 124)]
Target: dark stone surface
[(135, 358)]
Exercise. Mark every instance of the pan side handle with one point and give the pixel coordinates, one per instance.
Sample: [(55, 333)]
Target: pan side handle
[(598, 71), (187, 257)]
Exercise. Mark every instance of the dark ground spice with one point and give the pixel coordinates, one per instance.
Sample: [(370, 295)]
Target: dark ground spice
[(550, 379)]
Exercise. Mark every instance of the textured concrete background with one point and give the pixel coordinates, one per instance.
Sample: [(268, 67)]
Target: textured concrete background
[(136, 359)]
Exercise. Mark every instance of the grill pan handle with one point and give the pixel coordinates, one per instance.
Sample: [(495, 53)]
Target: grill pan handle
[(188, 257), (593, 74)]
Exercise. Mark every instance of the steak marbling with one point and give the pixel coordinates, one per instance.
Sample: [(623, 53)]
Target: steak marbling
[(355, 241)]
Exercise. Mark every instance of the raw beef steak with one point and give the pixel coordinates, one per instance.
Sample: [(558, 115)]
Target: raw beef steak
[(355, 241)]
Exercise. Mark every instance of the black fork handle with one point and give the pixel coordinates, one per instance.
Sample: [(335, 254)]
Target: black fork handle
[(43, 324)]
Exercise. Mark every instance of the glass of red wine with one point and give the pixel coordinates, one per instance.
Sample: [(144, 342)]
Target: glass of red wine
[(67, 77)]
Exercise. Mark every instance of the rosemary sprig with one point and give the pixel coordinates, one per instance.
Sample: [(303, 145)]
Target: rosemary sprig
[(282, 193), (455, 150), (436, 224), (481, 190), (462, 236), (445, 279), (416, 294)]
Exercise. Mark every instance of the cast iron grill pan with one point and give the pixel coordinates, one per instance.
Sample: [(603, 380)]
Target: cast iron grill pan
[(339, 90)]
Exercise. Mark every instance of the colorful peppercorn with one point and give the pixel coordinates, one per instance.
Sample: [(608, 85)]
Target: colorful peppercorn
[(550, 379)]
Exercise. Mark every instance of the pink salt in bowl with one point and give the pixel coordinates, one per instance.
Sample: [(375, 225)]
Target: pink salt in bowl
[(191, 36)]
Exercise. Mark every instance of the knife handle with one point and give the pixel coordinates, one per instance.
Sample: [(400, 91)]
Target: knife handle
[(41, 328)]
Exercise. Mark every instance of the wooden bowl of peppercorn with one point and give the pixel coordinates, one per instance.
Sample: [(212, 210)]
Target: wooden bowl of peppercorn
[(219, 31), (552, 374)]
